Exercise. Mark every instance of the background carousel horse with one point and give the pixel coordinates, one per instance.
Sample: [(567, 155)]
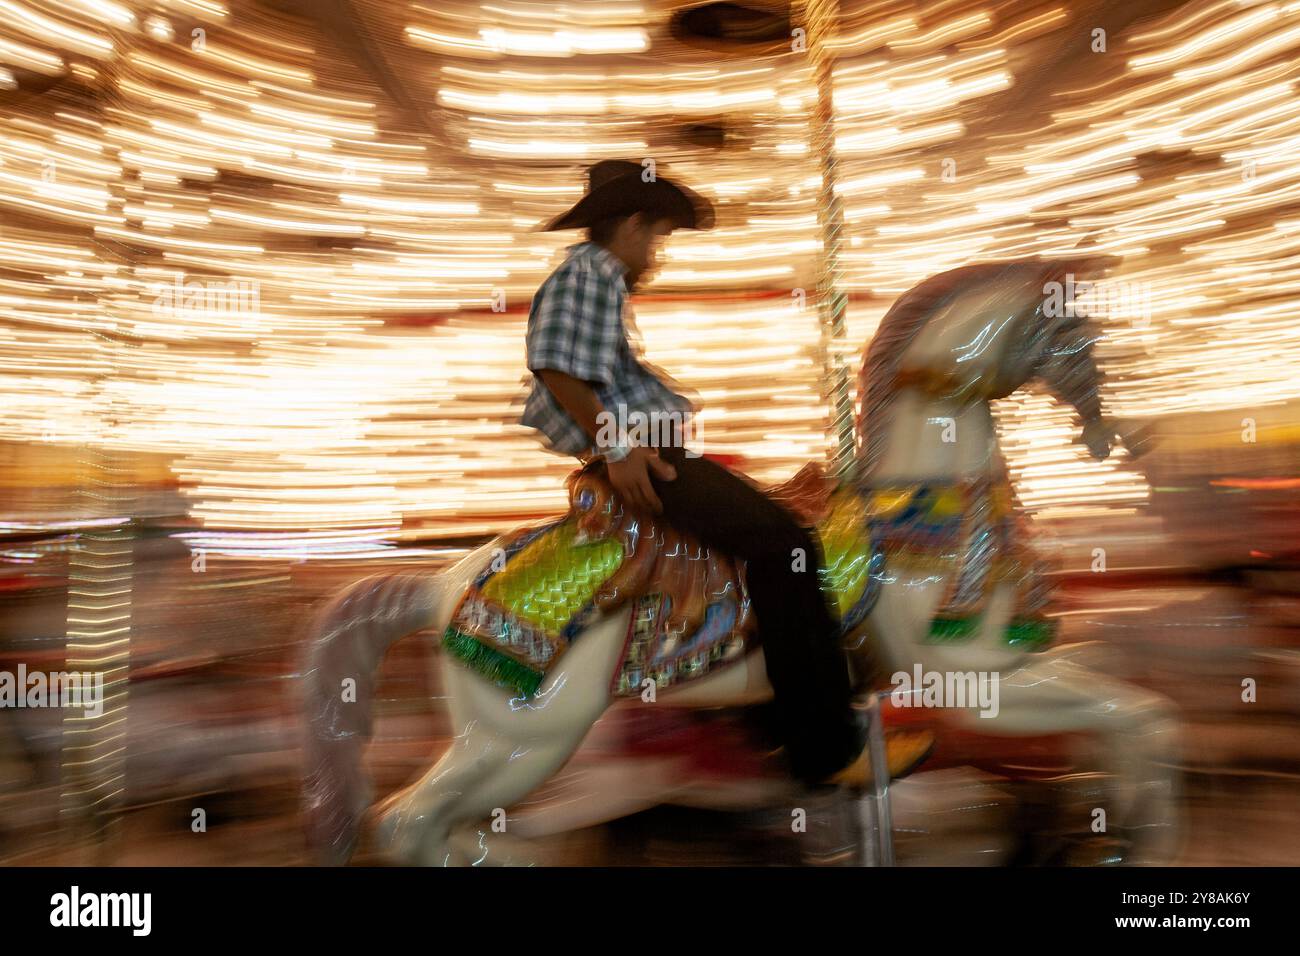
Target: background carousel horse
[(943, 583)]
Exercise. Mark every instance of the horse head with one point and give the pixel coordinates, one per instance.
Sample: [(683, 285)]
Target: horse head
[(981, 332)]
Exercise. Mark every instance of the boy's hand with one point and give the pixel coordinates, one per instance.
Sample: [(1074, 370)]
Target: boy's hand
[(631, 478)]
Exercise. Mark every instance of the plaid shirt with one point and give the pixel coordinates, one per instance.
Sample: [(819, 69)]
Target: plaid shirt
[(576, 326)]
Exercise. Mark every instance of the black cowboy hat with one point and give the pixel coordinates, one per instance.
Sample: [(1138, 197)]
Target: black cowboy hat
[(617, 187)]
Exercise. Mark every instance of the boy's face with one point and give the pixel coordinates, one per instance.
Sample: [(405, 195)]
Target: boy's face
[(637, 242)]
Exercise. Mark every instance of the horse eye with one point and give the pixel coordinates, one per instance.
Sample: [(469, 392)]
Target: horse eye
[(586, 498)]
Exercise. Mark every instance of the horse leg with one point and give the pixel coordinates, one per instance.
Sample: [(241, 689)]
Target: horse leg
[(1051, 694), (509, 781), (1048, 693), (414, 824), (509, 745)]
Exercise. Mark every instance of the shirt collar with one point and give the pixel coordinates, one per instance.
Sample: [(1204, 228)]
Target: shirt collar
[(608, 264)]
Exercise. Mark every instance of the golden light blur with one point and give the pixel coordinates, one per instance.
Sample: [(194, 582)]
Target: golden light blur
[(265, 267), (227, 244)]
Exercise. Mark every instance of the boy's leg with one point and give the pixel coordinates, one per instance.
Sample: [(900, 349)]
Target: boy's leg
[(801, 645)]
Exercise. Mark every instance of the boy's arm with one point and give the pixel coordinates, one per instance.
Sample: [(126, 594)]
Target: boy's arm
[(574, 332), (576, 397), (629, 476)]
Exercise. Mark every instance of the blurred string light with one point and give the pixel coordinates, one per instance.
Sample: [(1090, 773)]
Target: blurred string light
[(306, 278)]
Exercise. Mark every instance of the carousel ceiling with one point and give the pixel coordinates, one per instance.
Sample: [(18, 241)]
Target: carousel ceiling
[(290, 245)]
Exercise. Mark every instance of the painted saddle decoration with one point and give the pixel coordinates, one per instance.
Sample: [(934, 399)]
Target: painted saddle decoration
[(691, 610)]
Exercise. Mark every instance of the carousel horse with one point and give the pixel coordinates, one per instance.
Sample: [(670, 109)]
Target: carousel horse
[(925, 559)]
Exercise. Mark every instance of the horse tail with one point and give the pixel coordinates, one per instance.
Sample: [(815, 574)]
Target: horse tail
[(347, 640)]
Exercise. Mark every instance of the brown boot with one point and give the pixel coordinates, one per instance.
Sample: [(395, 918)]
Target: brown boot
[(905, 750)]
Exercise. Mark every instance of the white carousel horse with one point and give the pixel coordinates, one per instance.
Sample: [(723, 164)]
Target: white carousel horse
[(943, 351)]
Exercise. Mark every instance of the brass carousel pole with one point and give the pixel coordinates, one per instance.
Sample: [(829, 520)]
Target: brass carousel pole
[(819, 18)]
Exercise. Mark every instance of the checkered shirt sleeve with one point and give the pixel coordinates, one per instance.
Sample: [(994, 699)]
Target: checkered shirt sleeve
[(577, 324)]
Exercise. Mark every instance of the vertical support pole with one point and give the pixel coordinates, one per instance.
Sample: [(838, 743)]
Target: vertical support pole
[(876, 813), (819, 18), (880, 780)]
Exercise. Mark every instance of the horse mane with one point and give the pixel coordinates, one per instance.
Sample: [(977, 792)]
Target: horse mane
[(898, 329)]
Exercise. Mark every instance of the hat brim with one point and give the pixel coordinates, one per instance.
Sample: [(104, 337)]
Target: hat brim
[(624, 195)]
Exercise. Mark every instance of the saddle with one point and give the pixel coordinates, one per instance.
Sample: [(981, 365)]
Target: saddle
[(691, 612)]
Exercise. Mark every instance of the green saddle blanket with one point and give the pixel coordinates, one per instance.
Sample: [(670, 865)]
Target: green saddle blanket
[(541, 591), (545, 585)]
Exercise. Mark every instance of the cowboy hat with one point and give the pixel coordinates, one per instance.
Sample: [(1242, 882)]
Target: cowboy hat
[(617, 187)]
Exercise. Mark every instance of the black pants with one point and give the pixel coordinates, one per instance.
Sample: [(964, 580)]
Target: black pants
[(806, 664)]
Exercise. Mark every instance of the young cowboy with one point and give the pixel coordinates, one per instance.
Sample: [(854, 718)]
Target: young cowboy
[(583, 366)]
